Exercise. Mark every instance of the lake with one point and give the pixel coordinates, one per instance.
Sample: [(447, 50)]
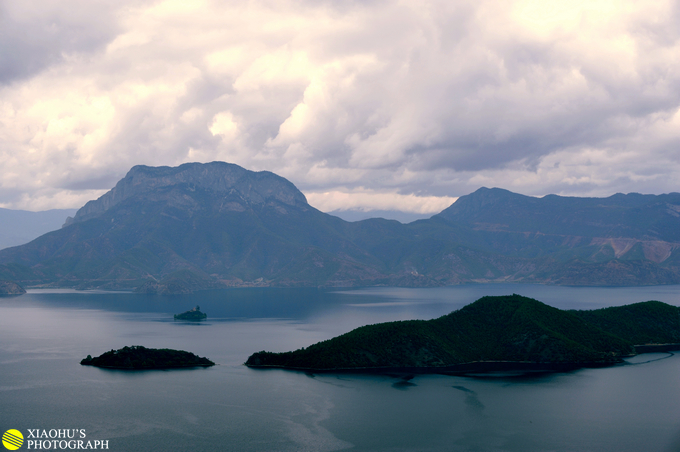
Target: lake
[(228, 407)]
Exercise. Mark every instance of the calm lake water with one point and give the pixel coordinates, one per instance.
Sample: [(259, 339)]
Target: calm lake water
[(228, 407)]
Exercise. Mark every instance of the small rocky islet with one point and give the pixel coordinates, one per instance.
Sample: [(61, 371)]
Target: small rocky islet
[(193, 314), (137, 357)]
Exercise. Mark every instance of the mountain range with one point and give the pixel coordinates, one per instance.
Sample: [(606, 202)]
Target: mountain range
[(21, 226), (198, 226)]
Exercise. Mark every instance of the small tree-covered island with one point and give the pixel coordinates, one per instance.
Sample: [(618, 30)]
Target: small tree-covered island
[(137, 357), (506, 333), (193, 314)]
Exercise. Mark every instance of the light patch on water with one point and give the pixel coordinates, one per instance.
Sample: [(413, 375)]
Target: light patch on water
[(385, 304), (305, 430)]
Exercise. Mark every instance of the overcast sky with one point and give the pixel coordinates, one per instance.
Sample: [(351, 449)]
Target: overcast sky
[(373, 104)]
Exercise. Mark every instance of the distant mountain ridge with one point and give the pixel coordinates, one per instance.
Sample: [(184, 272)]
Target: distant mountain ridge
[(21, 226), (581, 241), (637, 216), (210, 225)]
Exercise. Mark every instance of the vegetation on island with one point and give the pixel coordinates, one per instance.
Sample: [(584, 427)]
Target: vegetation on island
[(137, 357), (511, 329), (193, 314), (649, 322)]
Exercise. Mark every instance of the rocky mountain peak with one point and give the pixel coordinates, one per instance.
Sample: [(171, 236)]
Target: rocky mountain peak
[(219, 177)]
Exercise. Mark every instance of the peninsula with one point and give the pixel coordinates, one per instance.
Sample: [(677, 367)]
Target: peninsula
[(10, 288), (494, 333), (137, 357)]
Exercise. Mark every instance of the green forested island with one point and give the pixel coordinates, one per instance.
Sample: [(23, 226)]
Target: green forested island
[(193, 314), (137, 357), (493, 333)]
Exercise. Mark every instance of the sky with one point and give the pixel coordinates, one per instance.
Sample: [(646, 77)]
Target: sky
[(367, 105)]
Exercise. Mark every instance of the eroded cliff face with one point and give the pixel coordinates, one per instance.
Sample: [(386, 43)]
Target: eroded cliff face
[(218, 177)]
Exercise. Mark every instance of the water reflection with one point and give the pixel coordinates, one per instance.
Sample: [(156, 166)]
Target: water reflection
[(404, 383), (473, 406)]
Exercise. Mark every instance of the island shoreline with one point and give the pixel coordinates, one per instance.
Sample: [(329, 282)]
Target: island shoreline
[(148, 368), (478, 366), (457, 369)]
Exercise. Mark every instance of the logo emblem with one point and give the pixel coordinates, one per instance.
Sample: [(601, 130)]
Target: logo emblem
[(12, 439)]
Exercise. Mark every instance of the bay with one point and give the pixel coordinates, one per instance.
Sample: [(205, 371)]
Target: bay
[(45, 334)]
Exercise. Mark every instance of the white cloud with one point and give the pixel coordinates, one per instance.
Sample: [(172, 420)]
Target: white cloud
[(55, 199), (367, 200), (380, 101)]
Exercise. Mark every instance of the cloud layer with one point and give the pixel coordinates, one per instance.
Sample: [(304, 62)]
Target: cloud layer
[(366, 105)]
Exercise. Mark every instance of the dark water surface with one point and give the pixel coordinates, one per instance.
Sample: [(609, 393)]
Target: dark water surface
[(44, 335)]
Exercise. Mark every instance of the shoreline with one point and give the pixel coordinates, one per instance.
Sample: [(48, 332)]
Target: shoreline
[(188, 366), (457, 369), (656, 348), (478, 366)]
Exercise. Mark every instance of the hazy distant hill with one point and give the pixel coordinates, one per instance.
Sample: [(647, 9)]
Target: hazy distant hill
[(639, 217), (609, 241), (21, 226), (217, 224), (358, 215)]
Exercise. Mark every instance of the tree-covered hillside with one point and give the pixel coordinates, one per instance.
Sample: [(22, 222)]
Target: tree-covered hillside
[(507, 328)]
